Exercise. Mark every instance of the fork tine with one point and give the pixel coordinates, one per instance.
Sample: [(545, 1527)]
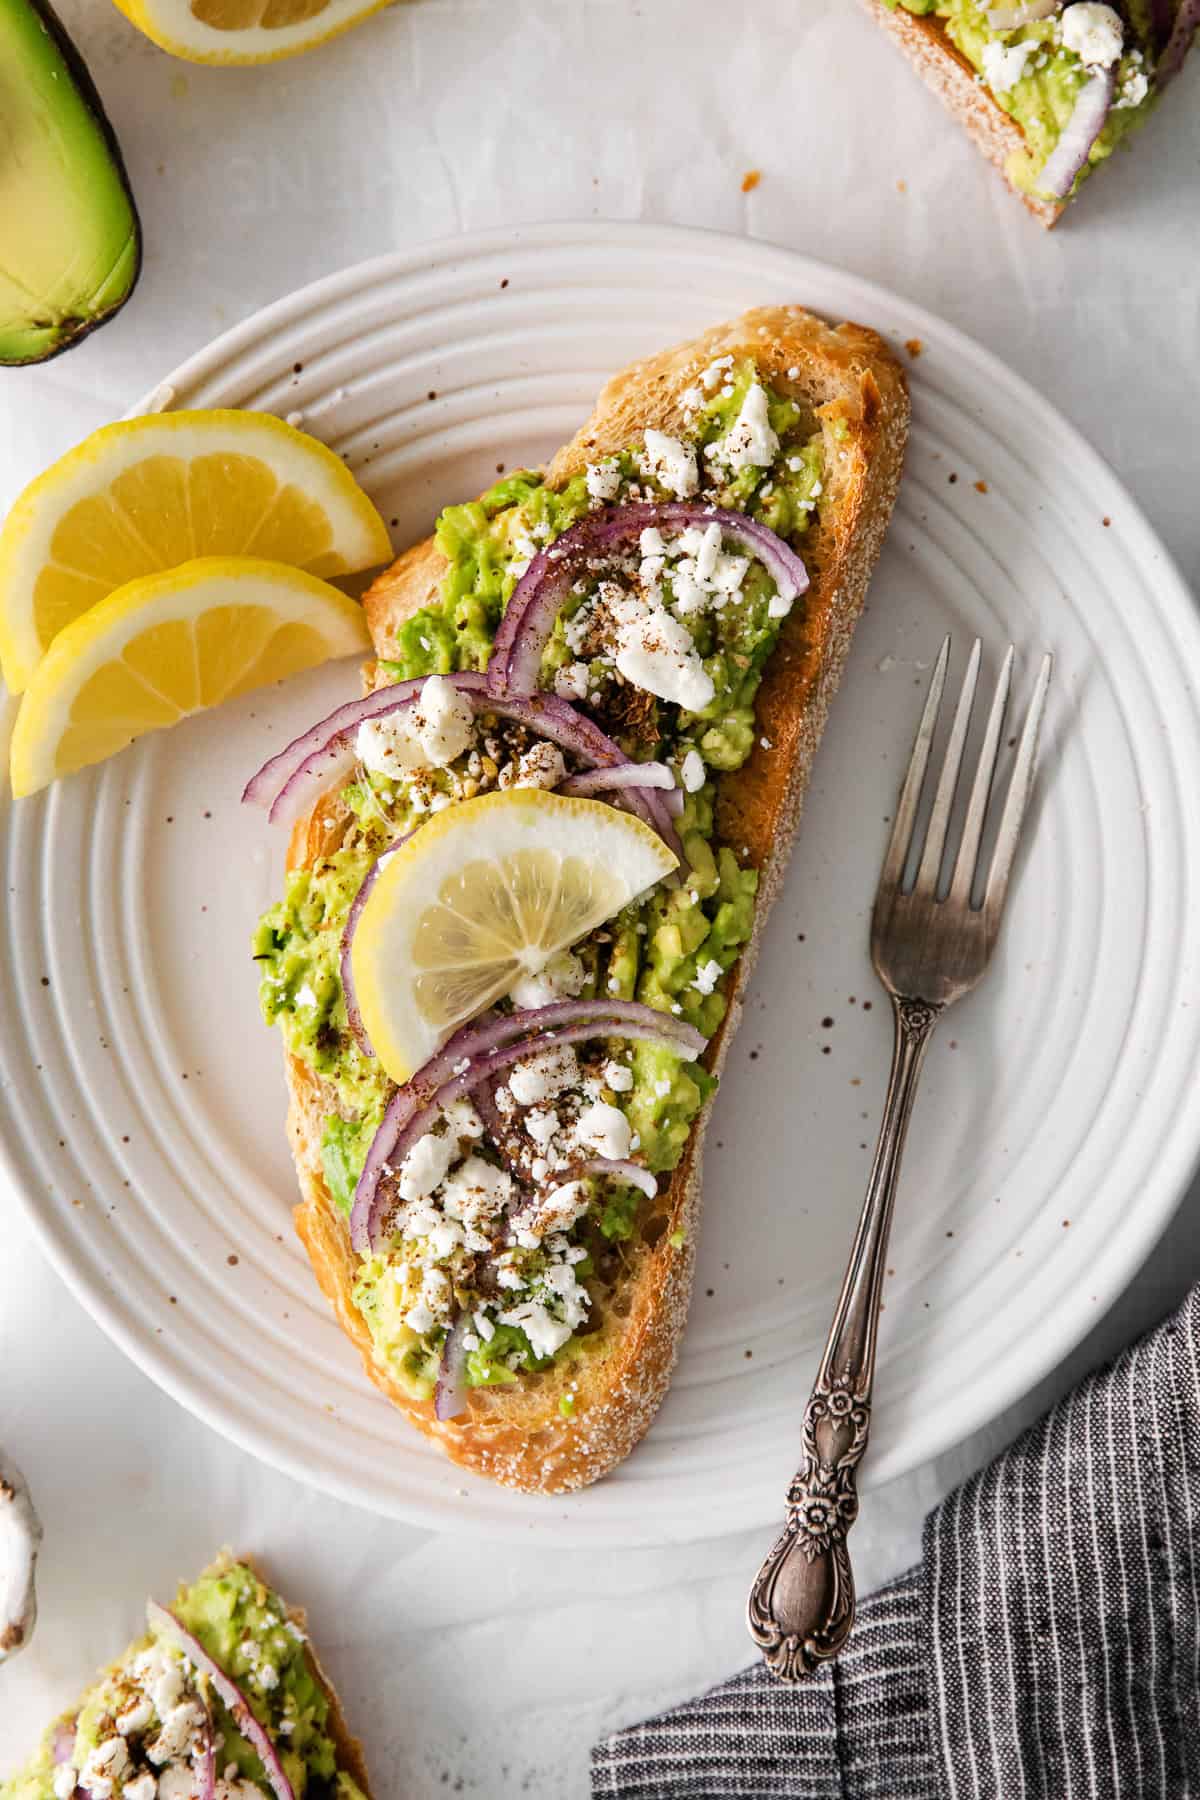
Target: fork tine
[(939, 818), (1014, 805), (910, 793), (968, 850)]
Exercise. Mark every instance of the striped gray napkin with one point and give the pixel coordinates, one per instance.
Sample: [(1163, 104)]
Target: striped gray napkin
[(1046, 1648)]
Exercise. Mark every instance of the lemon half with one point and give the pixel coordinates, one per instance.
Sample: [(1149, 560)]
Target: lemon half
[(148, 494), (169, 645), (488, 890)]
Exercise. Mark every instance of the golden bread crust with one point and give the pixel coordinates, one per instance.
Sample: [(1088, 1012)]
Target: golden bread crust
[(855, 389)]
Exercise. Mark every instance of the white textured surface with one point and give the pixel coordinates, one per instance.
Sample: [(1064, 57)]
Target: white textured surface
[(498, 1666)]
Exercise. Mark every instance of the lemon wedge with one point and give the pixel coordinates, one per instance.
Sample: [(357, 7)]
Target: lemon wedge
[(487, 891), (244, 31), (150, 493), (169, 645)]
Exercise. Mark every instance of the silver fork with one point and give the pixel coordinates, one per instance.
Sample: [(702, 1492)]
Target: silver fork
[(930, 943)]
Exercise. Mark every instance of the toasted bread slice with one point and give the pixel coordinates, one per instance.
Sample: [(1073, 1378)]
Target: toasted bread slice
[(348, 1750), (853, 387)]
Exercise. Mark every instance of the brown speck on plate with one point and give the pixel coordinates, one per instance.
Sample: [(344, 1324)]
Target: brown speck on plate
[(902, 187), (952, 478), (914, 346), (504, 283), (750, 180), (232, 1260), (1106, 520), (826, 1023), (981, 487)]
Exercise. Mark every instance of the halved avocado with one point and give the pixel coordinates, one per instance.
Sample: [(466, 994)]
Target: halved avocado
[(70, 243)]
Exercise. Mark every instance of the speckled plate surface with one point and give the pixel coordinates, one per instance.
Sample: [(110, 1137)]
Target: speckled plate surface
[(141, 1102)]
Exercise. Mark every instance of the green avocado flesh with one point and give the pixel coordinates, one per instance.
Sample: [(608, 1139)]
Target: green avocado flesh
[(1042, 98), (671, 950), (244, 1627), (68, 226)]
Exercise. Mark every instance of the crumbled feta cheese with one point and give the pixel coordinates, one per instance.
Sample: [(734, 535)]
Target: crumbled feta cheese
[(604, 1129), (541, 766), (425, 1166), (176, 1736), (603, 480), (671, 463), (438, 726), (618, 1077), (546, 1334), (1004, 64), (656, 652), (707, 976), (542, 1077), (462, 1119), (561, 979), (1133, 89), (103, 1766), (561, 1207), (166, 1688), (691, 772), (135, 1718), (712, 375), (66, 1779), (779, 605), (142, 1787), (750, 441), (477, 1192), (541, 1123), (1094, 32), (571, 681), (268, 1676)]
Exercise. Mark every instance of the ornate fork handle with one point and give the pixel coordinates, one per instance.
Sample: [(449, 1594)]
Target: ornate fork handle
[(802, 1604)]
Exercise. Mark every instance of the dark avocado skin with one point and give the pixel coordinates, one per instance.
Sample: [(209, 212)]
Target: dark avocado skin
[(62, 329)]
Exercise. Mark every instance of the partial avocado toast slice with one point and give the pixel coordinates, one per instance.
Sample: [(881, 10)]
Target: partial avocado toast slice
[(562, 1422), (149, 1717), (1013, 76)]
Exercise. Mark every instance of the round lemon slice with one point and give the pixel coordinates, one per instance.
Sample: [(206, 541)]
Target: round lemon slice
[(150, 493), (169, 645), (244, 31), (487, 891)]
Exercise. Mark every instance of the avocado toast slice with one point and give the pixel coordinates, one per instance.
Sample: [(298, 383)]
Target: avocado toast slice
[(154, 1723), (1030, 80), (801, 427)]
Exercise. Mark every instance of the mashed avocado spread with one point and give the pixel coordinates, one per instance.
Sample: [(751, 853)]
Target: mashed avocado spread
[(753, 451), (139, 1729), (1036, 76)]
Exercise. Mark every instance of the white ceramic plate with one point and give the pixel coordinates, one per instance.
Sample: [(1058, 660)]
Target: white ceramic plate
[(142, 1102)]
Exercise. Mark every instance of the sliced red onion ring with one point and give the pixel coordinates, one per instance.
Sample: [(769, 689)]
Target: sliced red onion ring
[(480, 1037), (345, 967), (516, 659), (450, 1393), (1011, 18), (168, 1626), (403, 1123), (1187, 22), (623, 775), (1080, 132), (622, 1170), (265, 787), (674, 802), (288, 787)]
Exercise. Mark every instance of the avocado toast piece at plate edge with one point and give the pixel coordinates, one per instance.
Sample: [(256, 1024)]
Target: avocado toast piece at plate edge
[(1047, 91), (222, 1698), (673, 617)]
